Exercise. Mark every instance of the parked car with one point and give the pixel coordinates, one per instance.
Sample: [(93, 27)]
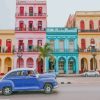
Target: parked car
[(91, 73), (27, 79)]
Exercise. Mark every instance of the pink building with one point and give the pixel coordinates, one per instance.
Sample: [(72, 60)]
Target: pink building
[(30, 31)]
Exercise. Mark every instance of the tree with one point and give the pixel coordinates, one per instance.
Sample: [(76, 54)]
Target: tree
[(45, 51)]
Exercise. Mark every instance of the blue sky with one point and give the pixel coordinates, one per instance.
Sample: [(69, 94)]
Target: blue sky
[(58, 11)]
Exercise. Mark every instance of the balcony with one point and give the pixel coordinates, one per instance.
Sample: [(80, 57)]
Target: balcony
[(65, 51), (89, 51), (29, 29), (31, 15), (4, 50), (22, 2), (28, 49), (96, 30)]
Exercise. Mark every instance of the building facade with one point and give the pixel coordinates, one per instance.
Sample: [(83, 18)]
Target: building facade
[(6, 50), (30, 31), (64, 43), (88, 24)]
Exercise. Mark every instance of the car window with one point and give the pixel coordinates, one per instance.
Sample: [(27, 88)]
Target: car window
[(30, 73), (16, 73)]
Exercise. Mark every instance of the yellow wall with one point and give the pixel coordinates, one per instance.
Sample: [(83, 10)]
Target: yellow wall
[(4, 35), (87, 16)]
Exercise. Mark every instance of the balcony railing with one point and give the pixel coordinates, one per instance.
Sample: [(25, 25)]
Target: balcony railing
[(65, 51), (4, 50), (89, 51), (30, 2), (29, 29), (96, 30), (31, 14)]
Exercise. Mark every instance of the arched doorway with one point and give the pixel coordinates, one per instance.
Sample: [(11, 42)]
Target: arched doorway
[(84, 65), (40, 65), (30, 63), (62, 63), (52, 63), (8, 64), (0, 65), (20, 63), (93, 64), (71, 65)]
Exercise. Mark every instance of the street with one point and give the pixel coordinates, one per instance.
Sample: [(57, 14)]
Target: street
[(81, 88)]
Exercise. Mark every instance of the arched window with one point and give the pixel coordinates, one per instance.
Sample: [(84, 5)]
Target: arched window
[(30, 63), (8, 45), (82, 25), (91, 24), (83, 44), (20, 63), (92, 41)]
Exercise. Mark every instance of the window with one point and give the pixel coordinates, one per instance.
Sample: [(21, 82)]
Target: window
[(30, 25), (30, 11), (83, 44), (21, 45), (71, 45), (82, 25), (92, 43), (8, 45), (21, 11), (39, 25), (30, 45), (61, 45), (40, 11), (52, 44), (91, 25), (21, 25), (39, 42)]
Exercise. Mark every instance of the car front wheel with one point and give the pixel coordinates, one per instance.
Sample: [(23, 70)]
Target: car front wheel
[(48, 88), (7, 91)]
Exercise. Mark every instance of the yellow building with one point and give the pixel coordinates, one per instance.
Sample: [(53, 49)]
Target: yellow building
[(88, 24), (6, 50)]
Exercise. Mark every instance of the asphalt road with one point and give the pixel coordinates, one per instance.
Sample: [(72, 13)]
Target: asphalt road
[(79, 89)]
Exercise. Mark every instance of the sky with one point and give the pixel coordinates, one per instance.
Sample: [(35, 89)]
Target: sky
[(58, 11)]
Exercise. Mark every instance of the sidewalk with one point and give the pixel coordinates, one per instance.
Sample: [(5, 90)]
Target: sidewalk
[(69, 75)]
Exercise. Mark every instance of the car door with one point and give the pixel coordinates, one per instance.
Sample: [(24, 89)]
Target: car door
[(17, 78), (31, 82)]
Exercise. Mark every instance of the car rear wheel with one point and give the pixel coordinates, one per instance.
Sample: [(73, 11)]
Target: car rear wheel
[(48, 88), (7, 91)]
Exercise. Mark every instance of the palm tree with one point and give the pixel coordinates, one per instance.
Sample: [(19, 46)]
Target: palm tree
[(45, 51)]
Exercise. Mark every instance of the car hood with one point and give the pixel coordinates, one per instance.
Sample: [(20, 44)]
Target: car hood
[(47, 75)]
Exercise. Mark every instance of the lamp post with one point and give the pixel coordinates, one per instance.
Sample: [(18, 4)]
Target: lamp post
[(93, 52), (19, 54)]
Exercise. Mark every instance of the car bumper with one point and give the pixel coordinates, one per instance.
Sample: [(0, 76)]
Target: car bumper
[(55, 87)]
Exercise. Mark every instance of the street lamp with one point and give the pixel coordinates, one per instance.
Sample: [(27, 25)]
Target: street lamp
[(93, 52), (19, 54)]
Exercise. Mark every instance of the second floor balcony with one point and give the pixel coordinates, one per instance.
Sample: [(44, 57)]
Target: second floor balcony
[(31, 15), (29, 29), (65, 51), (5, 50)]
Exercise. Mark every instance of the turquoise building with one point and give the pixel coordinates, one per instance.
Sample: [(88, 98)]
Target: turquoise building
[(64, 58)]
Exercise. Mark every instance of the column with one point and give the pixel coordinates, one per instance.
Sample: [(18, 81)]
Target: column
[(47, 64), (56, 44), (2, 65), (67, 65), (35, 64), (25, 61), (77, 65), (57, 66)]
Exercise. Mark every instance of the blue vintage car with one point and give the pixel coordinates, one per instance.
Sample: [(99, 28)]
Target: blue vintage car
[(27, 79)]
